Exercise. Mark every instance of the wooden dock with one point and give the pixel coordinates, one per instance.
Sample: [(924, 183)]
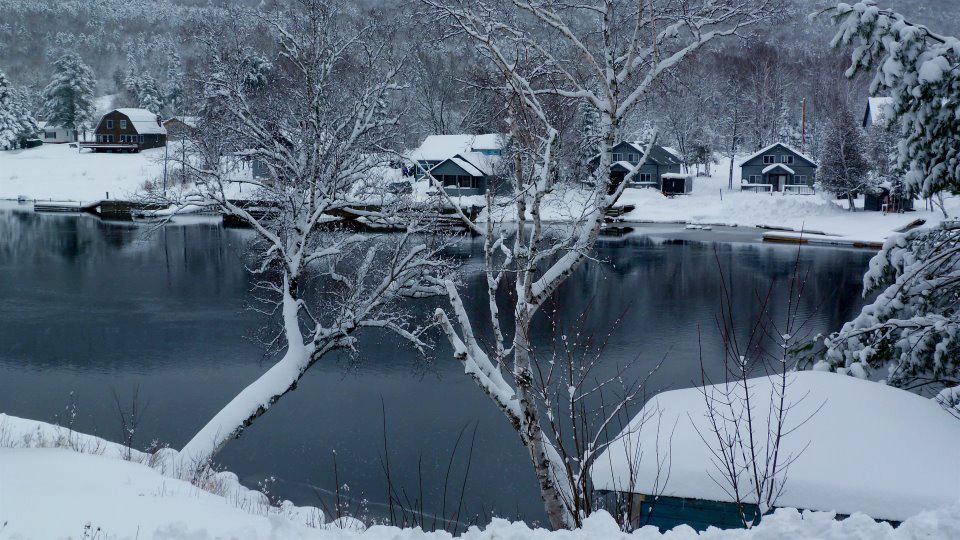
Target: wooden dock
[(815, 239)]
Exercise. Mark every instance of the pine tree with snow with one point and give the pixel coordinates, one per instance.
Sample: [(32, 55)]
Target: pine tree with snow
[(150, 97), (788, 131), (173, 87), (912, 329), (16, 121), (844, 168), (7, 121), (68, 99)]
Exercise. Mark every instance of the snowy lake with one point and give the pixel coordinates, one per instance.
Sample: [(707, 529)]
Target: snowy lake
[(90, 308)]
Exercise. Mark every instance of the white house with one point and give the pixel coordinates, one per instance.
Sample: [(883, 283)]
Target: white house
[(852, 446), (56, 134)]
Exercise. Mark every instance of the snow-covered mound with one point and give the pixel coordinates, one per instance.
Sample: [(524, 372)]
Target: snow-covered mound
[(852, 445), (57, 483)]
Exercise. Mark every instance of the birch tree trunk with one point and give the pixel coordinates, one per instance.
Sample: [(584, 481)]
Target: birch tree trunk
[(256, 398)]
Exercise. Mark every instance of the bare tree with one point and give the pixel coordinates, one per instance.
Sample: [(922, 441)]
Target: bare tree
[(746, 430), (317, 120), (606, 56)]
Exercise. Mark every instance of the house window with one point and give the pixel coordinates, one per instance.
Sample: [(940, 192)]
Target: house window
[(109, 124), (141, 138), (767, 160), (645, 177), (123, 124), (754, 178), (617, 157), (634, 158), (49, 134), (800, 179), (788, 160)]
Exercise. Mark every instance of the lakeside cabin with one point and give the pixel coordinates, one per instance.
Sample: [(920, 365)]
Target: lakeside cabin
[(128, 130), (465, 164), (661, 171), (778, 167), (852, 445)]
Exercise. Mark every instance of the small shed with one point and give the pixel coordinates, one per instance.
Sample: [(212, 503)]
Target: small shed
[(54, 134), (677, 183), (852, 446), (180, 127), (128, 130), (884, 199)]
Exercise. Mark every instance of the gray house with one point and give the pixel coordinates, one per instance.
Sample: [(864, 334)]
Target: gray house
[(660, 171), (465, 164), (469, 173), (780, 167)]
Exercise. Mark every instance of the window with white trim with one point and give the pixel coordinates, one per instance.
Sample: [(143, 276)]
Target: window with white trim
[(755, 178), (645, 177), (123, 124), (617, 157), (800, 179), (768, 159), (109, 124), (634, 158), (788, 160)]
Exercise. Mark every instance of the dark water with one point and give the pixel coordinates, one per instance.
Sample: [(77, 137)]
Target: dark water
[(89, 308)]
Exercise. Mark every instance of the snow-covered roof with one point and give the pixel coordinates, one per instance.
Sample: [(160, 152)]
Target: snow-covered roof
[(879, 110), (658, 154), (440, 147), (473, 163), (144, 121), (856, 446), (763, 151), (189, 121), (769, 168), (676, 175)]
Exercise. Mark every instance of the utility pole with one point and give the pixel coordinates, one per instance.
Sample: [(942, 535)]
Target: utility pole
[(803, 125)]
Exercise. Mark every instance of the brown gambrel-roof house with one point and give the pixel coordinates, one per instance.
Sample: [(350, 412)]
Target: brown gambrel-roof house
[(128, 130)]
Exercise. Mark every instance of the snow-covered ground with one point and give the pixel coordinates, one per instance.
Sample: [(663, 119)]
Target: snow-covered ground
[(56, 483), (712, 203), (59, 172)]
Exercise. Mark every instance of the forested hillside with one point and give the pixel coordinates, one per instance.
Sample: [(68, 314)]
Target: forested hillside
[(148, 50)]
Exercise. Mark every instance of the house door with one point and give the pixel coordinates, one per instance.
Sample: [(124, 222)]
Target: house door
[(778, 180)]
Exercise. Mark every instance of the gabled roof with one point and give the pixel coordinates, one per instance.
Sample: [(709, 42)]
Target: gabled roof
[(658, 154), (878, 112), (473, 163), (440, 147), (855, 446), (778, 166), (144, 121), (763, 151), (189, 121)]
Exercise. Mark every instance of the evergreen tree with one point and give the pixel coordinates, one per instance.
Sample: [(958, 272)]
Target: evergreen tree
[(8, 122), (909, 333), (68, 99), (788, 133), (16, 121), (173, 91), (150, 97), (844, 168)]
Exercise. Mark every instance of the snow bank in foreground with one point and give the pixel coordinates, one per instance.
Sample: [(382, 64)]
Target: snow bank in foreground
[(83, 486)]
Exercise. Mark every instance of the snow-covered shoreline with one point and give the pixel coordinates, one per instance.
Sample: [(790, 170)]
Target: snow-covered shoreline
[(58, 483)]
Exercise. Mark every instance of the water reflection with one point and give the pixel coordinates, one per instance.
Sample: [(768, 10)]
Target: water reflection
[(89, 307)]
